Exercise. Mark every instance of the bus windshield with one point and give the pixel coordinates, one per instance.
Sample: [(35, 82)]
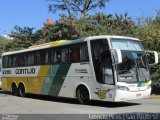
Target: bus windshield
[(126, 44), (134, 67)]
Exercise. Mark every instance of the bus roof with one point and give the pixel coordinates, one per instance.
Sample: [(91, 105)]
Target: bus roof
[(66, 42), (46, 45), (110, 37)]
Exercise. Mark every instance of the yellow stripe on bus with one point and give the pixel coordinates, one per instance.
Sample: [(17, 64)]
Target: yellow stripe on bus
[(37, 82), (52, 44)]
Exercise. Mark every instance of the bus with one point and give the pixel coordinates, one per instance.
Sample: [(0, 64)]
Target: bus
[(104, 68), (0, 73)]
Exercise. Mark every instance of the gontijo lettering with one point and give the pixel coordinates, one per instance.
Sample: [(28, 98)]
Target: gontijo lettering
[(25, 71)]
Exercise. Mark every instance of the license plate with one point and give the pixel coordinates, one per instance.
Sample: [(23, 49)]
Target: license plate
[(138, 95)]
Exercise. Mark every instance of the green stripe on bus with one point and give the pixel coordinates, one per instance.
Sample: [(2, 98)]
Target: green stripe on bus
[(49, 79), (58, 80)]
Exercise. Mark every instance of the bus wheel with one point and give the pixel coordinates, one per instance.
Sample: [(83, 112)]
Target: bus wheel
[(21, 90), (14, 89), (82, 95)]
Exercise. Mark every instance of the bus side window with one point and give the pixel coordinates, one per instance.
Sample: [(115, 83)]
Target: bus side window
[(56, 56), (53, 57), (25, 59), (48, 56), (74, 54), (84, 53), (58, 53), (14, 60), (31, 58), (65, 55), (41, 57), (5, 61), (10, 61), (21, 61), (96, 48)]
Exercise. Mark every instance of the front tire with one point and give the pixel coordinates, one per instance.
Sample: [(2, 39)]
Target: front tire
[(21, 90), (82, 95)]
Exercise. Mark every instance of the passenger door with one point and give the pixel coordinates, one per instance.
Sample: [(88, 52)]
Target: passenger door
[(103, 68)]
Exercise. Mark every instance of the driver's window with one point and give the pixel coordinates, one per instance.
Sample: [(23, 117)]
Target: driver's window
[(107, 71), (99, 46), (102, 61), (96, 49)]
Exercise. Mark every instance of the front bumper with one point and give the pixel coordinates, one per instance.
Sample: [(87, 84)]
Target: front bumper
[(121, 95)]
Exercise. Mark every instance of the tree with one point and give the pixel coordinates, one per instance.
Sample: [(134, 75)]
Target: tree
[(3, 42), (64, 28), (148, 30), (81, 7), (22, 37), (105, 24)]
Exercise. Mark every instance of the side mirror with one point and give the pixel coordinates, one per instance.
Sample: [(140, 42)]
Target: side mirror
[(117, 56), (152, 57)]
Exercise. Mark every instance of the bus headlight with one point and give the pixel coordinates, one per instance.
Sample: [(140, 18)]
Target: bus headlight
[(122, 88)]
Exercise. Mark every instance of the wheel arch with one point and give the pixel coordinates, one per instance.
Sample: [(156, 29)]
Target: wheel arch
[(21, 92), (14, 83), (21, 83), (14, 88), (83, 85)]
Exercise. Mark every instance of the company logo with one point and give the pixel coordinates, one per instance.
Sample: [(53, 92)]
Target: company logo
[(102, 93), (25, 71)]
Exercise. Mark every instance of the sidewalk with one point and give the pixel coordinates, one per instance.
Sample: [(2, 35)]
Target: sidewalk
[(154, 97)]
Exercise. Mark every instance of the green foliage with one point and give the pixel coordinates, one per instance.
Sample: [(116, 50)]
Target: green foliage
[(150, 33), (22, 38), (3, 42), (102, 24), (64, 28), (148, 30)]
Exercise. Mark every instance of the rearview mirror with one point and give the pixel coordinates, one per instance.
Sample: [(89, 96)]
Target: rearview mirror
[(117, 56), (152, 57)]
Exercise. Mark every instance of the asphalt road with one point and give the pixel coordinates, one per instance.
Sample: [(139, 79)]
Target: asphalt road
[(36, 104)]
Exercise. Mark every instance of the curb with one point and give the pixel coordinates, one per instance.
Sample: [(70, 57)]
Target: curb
[(154, 97)]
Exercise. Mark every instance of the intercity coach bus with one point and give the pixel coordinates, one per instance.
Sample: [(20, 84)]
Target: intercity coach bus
[(105, 68)]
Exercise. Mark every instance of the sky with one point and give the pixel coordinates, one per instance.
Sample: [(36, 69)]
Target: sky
[(33, 13)]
